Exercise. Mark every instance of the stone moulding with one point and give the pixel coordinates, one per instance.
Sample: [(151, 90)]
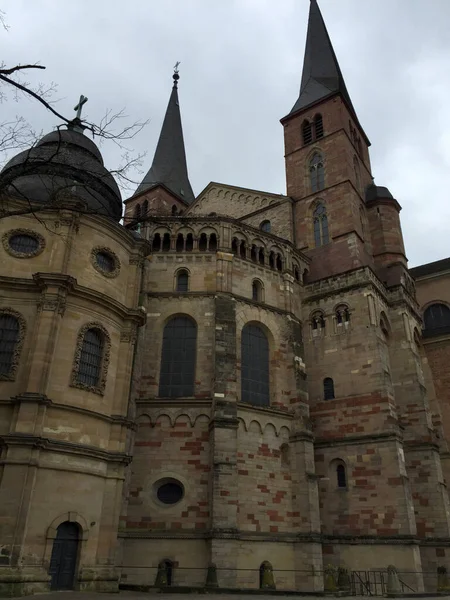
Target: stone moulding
[(11, 375), (74, 381), (39, 238), (102, 249)]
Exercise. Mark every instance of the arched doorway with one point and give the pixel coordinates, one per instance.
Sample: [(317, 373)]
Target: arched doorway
[(64, 556)]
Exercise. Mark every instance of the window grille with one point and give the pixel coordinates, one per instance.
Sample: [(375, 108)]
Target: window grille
[(307, 133), (91, 358), (318, 126), (183, 281), (9, 337), (179, 348), (26, 244), (328, 389), (254, 366), (321, 234), (105, 261), (341, 476)]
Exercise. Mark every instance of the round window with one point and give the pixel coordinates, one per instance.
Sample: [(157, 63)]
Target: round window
[(169, 492), (105, 261), (24, 244)]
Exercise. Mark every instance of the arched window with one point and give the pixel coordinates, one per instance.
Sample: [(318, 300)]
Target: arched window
[(203, 242), (307, 132), (243, 249), (317, 324), (320, 219), (189, 242), (212, 244), (156, 244), (9, 339), (261, 256), (179, 349), (437, 318), (265, 226), (166, 242), (266, 580), (174, 209), (342, 315), (254, 253), (137, 213), (145, 209), (296, 273), (182, 281), (179, 243), (279, 263), (272, 260), (257, 291), (317, 173), (328, 389), (91, 356), (234, 246), (341, 476), (254, 366), (318, 126), (357, 173)]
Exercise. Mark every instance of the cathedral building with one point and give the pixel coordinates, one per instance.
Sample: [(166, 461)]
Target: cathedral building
[(237, 385)]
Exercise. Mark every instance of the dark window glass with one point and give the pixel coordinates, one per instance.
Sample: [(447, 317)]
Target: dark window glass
[(156, 247), (318, 126), (254, 253), (307, 132), (9, 336), (91, 357), (341, 476), (317, 173), (234, 246), (174, 209), (243, 250), (166, 242), (296, 274), (437, 316), (27, 244), (179, 347), (279, 263), (170, 493), (182, 281), (145, 208), (321, 234), (256, 291), (203, 242), (212, 245), (265, 226), (105, 261), (255, 366), (189, 242), (137, 212), (328, 388), (180, 243)]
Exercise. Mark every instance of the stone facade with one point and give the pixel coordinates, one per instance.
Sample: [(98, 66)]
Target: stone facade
[(340, 462)]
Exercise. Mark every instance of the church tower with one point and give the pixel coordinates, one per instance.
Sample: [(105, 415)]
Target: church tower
[(376, 450)]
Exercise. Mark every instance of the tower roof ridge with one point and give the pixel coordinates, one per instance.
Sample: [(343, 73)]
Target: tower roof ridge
[(169, 166), (321, 75)]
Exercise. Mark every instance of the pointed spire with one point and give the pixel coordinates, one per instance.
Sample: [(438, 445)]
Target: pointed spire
[(321, 76), (169, 166)]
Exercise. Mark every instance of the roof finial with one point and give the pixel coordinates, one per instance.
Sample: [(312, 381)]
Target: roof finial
[(176, 75)]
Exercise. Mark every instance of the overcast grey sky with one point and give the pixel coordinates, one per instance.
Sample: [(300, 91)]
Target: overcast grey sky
[(240, 72)]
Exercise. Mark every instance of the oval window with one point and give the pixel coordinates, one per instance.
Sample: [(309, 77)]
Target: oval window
[(105, 261), (24, 244), (170, 492)]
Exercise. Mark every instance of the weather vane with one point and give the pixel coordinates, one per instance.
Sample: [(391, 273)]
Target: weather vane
[(175, 69), (80, 104)]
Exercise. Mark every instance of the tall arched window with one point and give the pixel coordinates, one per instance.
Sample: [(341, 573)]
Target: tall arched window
[(182, 281), (166, 242), (307, 132), (179, 349), (203, 242), (437, 318), (257, 291), (341, 476), (357, 173), (179, 245), (156, 244), (254, 366), (91, 358), (212, 243), (145, 209), (9, 339), (321, 235), (137, 213), (328, 389), (318, 126), (174, 209), (265, 226), (317, 173)]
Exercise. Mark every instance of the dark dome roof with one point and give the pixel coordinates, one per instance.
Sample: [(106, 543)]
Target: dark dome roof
[(377, 192), (64, 162)]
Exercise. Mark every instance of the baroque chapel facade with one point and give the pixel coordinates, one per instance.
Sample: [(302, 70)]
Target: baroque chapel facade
[(239, 378)]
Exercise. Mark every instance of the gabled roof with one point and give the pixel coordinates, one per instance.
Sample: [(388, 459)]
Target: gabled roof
[(169, 166), (322, 76), (439, 266)]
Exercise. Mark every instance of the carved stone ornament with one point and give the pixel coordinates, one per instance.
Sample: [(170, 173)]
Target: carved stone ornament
[(74, 381), (101, 249), (11, 375), (37, 236)]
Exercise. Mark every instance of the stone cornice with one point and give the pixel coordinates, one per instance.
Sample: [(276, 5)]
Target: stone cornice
[(42, 281), (52, 445), (265, 410), (383, 436), (156, 401)]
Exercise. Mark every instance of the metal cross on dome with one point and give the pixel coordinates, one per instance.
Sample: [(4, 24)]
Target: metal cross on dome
[(79, 106)]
